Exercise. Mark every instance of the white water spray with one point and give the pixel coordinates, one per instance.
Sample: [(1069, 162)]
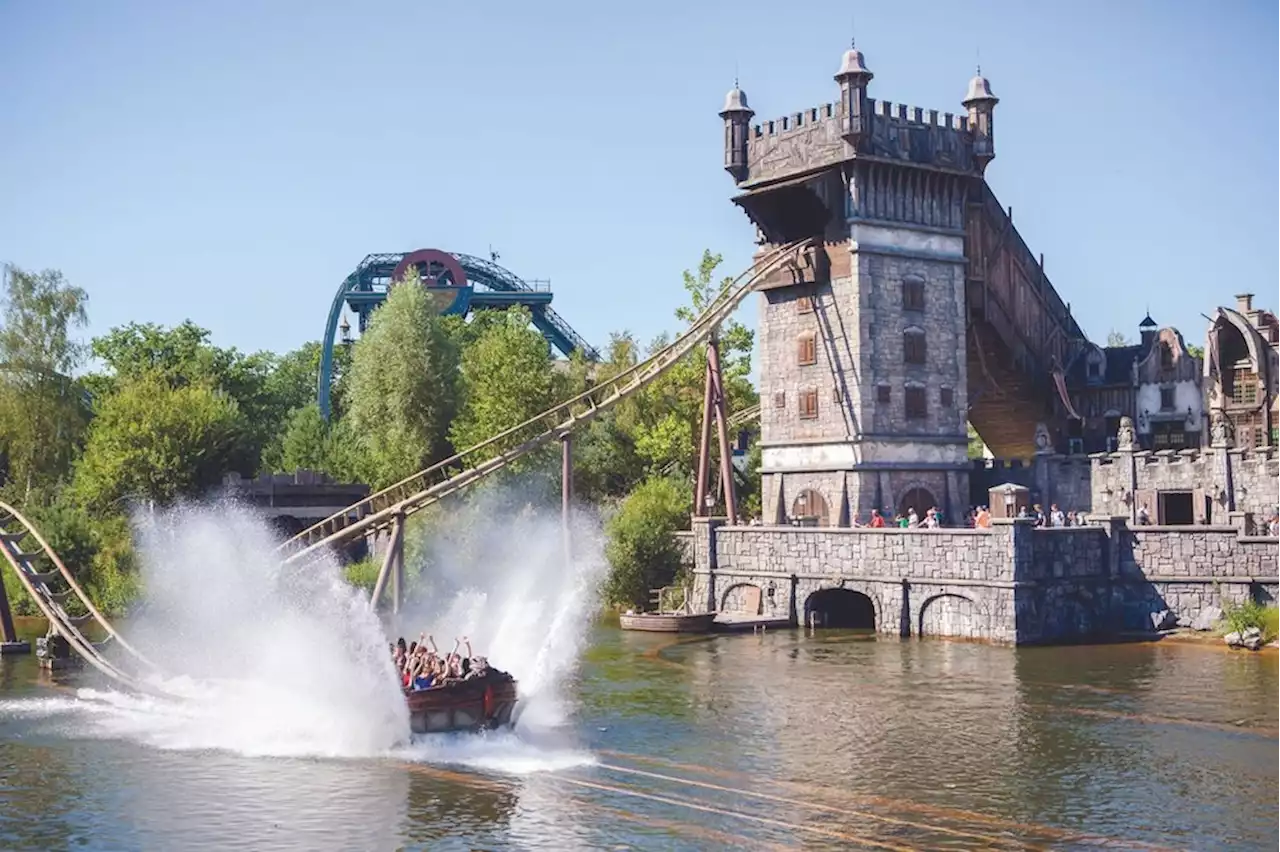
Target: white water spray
[(501, 580), (268, 665)]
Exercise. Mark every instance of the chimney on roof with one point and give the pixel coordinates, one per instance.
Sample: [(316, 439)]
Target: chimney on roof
[(1244, 302)]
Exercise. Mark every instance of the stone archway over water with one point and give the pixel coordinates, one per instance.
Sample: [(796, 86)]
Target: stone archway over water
[(840, 608)]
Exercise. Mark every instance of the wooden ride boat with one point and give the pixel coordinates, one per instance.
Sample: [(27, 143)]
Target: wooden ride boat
[(680, 619), (482, 703), (668, 622)]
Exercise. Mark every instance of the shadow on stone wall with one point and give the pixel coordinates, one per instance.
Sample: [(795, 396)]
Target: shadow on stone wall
[(1084, 583)]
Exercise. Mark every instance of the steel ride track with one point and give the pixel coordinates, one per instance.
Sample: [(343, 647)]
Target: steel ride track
[(53, 588), (380, 510)]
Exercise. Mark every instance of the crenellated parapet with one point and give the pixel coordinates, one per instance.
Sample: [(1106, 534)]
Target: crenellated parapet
[(858, 127), (1264, 457), (897, 133)]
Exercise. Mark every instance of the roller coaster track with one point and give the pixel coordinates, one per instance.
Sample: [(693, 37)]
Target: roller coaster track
[(53, 588), (744, 416), (380, 510)]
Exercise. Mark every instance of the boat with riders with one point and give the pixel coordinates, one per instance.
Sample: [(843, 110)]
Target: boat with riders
[(452, 692)]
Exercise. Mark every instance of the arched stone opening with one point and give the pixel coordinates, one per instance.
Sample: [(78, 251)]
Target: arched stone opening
[(810, 509), (840, 608), (949, 615), (920, 499), (742, 599)]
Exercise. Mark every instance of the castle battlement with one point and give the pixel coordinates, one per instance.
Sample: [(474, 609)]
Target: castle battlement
[(795, 121), (914, 115), (1193, 456), (887, 111)]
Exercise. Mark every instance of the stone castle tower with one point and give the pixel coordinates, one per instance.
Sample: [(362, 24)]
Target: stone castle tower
[(864, 364)]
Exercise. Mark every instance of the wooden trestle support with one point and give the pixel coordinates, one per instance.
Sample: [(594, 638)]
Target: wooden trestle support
[(715, 406)]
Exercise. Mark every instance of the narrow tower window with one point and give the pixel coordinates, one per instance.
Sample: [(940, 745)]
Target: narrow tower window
[(808, 405), (913, 294), (913, 347), (917, 408), (807, 354)]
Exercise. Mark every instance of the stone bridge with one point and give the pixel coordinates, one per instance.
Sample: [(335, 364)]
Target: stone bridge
[(1010, 583)]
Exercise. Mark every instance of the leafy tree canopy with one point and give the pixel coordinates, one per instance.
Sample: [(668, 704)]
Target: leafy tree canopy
[(153, 441), (507, 377), (643, 554), (42, 410), (403, 386)]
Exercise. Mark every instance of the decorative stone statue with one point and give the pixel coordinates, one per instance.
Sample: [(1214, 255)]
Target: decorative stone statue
[(1126, 439), (1044, 444), (1221, 433)]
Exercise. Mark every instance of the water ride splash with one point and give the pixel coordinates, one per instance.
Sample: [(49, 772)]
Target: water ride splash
[(262, 661)]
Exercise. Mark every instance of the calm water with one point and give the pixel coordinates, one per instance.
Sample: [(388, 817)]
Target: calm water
[(781, 741)]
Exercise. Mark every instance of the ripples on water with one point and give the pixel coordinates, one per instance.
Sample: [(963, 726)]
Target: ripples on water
[(786, 740)]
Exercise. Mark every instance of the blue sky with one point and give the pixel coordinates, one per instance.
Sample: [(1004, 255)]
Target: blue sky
[(231, 163)]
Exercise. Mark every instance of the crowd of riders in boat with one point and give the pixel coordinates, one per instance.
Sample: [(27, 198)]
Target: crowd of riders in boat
[(421, 665)]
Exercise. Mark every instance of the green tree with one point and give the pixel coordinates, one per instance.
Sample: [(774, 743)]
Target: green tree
[(42, 410), (403, 386), (305, 441), (1195, 351), (665, 421), (642, 552), (507, 377), (153, 441), (751, 493), (1116, 338), (182, 356), (976, 449)]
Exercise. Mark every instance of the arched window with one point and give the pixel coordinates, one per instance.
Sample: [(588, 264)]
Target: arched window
[(810, 509), (913, 346)]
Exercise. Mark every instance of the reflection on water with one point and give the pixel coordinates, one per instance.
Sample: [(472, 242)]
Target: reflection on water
[(774, 741)]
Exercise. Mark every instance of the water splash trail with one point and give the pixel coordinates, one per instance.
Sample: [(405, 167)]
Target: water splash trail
[(270, 665)]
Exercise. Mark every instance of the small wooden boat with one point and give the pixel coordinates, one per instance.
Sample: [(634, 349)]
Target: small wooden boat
[(669, 619), (481, 703), (668, 622)]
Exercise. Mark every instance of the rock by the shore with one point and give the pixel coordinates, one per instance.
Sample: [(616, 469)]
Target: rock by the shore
[(1250, 639), (1163, 620), (1207, 619)]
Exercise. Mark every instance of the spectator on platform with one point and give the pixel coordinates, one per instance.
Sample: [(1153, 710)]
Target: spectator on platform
[(877, 520), (1056, 516), (1144, 516), (982, 520)]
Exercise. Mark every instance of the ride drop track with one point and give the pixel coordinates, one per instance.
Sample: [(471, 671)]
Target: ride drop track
[(51, 589), (379, 511)]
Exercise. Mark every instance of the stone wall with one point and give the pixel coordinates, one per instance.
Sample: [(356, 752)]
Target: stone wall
[(1114, 484), (946, 572), (1010, 583), (1121, 482), (1065, 480)]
